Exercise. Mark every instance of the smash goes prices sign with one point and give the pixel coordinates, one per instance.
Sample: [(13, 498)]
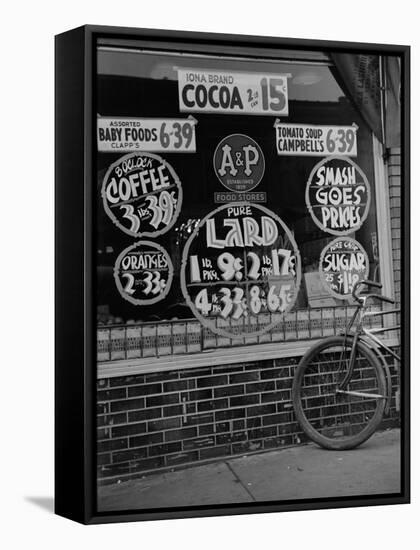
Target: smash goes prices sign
[(241, 264), (338, 195), (232, 92)]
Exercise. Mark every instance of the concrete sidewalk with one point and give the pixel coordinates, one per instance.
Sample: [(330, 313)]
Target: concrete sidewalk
[(295, 473)]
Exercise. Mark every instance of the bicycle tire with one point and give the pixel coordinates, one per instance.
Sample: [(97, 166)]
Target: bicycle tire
[(327, 424)]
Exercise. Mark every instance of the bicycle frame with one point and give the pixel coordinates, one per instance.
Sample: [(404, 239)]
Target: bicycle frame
[(369, 338)]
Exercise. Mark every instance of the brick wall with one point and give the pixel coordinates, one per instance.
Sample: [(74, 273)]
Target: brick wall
[(163, 420), (394, 177)]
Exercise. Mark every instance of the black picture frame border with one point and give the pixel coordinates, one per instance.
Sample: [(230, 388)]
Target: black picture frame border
[(75, 364)]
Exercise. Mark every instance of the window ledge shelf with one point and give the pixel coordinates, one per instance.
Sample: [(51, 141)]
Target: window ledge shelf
[(210, 358)]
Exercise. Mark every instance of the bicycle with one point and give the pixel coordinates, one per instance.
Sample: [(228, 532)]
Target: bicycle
[(342, 386)]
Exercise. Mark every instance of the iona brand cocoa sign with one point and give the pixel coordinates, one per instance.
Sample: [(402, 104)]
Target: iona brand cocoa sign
[(232, 92), (338, 195)]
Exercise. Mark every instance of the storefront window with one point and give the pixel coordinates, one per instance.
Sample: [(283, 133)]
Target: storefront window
[(304, 177)]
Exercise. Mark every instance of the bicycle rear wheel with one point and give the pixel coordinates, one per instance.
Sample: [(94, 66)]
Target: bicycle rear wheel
[(333, 418)]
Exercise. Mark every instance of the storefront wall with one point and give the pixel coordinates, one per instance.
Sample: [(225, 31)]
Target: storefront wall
[(167, 419), (172, 392)]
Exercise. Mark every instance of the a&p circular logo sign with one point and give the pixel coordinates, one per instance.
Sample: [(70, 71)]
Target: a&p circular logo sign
[(239, 163)]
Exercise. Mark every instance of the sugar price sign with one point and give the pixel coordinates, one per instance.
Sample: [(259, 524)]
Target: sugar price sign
[(343, 263), (240, 263), (143, 273), (142, 194)]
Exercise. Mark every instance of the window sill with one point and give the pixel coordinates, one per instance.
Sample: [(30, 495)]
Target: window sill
[(209, 358)]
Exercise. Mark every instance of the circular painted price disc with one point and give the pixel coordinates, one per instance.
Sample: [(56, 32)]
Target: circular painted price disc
[(143, 273), (239, 163), (240, 270), (142, 194), (344, 262), (338, 195)]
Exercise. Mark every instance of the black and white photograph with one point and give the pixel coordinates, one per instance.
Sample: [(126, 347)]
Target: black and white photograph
[(209, 286), (249, 248)]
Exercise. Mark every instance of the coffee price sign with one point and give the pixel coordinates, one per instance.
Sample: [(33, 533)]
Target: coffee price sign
[(315, 140), (338, 195), (241, 262), (344, 262), (119, 134), (231, 92), (142, 194), (143, 273)]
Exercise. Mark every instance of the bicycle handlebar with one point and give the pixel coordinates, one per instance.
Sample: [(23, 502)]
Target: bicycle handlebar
[(370, 283)]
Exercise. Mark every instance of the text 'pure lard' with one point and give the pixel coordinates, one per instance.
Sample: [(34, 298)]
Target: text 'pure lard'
[(244, 231)]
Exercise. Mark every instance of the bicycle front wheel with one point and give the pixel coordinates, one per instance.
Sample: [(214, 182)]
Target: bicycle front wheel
[(335, 417)]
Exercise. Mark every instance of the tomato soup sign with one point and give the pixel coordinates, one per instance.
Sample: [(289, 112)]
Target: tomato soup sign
[(338, 195), (240, 264), (343, 263)]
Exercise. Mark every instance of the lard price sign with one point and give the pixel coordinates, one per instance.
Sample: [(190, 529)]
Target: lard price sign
[(117, 134), (241, 264), (143, 273), (338, 195), (343, 263), (142, 194), (230, 92), (316, 141)]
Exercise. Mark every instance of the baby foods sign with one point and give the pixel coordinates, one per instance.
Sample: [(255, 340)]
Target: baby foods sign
[(120, 134), (230, 92)]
